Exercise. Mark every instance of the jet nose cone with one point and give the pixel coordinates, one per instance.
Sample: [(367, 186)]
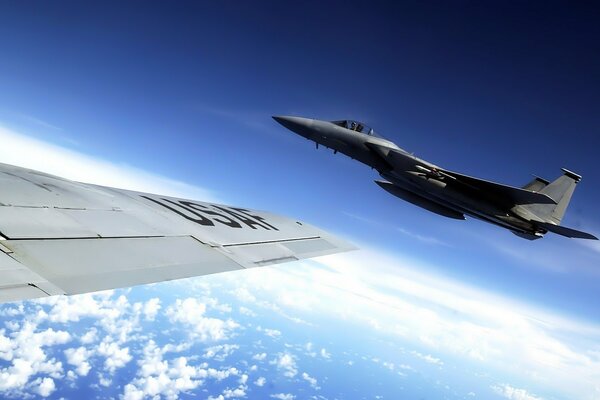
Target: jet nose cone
[(299, 125), (281, 119)]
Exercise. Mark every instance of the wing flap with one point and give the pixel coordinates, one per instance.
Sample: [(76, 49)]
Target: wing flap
[(90, 264), (18, 282), (20, 292), (87, 265), (260, 254)]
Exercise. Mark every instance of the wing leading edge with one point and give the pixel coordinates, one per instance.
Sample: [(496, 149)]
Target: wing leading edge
[(64, 237)]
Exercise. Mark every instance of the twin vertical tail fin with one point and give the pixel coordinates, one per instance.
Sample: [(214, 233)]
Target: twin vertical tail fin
[(550, 215), (561, 191)]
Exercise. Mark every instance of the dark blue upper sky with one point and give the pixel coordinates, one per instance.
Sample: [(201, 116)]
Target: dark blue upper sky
[(496, 90)]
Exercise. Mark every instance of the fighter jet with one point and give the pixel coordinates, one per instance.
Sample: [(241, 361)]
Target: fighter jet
[(63, 237), (528, 212)]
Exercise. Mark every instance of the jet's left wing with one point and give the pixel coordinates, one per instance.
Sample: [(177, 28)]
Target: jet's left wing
[(63, 237), (501, 192), (509, 195)]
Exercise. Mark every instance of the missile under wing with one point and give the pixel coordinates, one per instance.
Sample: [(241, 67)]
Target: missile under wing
[(63, 237)]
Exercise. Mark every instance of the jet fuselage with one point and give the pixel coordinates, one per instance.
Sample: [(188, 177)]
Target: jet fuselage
[(418, 181)]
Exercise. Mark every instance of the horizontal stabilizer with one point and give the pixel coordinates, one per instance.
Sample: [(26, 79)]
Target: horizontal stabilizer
[(564, 231)]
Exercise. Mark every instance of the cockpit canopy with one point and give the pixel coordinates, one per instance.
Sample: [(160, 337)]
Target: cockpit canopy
[(356, 126)]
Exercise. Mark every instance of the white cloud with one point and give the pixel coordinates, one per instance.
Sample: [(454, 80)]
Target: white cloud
[(24, 349), (168, 378), (221, 374), (312, 381), (422, 238), (11, 310), (259, 356), (234, 393), (115, 356), (283, 396), (286, 363), (439, 316), (104, 380), (325, 354), (513, 393), (220, 352), (269, 332), (244, 295), (89, 336), (272, 332), (427, 358), (260, 381), (131, 392), (98, 305), (191, 312), (247, 311), (151, 308), (79, 359), (25, 151), (24, 346), (46, 387)]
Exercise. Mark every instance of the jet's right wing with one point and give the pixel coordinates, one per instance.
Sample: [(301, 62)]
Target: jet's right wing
[(64, 237)]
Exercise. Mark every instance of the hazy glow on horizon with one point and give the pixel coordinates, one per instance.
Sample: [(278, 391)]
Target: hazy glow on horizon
[(24, 151)]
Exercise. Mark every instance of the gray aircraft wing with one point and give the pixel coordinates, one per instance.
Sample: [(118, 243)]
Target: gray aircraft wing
[(65, 237), (510, 194), (497, 191)]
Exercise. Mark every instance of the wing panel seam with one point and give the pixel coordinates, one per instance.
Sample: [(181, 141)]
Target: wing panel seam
[(272, 241)]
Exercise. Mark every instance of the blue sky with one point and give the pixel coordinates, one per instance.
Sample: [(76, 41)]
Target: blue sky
[(185, 91)]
